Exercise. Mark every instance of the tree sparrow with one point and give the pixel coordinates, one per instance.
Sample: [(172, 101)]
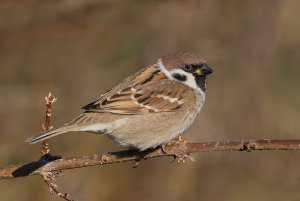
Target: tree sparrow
[(148, 109)]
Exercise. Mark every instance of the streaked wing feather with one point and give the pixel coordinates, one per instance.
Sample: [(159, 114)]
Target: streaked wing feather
[(147, 91)]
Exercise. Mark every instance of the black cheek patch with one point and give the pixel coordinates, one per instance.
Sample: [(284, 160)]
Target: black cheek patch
[(179, 77)]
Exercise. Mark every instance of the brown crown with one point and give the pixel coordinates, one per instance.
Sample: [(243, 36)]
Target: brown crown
[(179, 59)]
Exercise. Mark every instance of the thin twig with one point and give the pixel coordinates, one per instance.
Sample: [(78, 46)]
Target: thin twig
[(50, 179), (50, 99), (50, 176), (55, 163)]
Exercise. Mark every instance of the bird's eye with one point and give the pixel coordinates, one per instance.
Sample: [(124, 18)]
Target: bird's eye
[(188, 67)]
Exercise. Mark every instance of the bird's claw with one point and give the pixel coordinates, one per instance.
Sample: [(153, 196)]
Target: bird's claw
[(179, 158)]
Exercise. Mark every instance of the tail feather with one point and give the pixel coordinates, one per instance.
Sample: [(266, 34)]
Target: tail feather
[(48, 134), (74, 125)]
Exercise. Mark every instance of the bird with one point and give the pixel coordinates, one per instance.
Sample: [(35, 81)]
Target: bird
[(148, 109)]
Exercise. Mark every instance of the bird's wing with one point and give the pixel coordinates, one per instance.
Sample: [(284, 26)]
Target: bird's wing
[(149, 90)]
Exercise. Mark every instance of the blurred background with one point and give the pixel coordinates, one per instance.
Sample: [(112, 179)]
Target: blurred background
[(78, 49)]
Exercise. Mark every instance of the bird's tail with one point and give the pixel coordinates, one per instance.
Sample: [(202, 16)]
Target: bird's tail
[(50, 133), (75, 125)]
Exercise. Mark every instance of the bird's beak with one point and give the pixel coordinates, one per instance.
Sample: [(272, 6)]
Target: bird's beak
[(205, 70)]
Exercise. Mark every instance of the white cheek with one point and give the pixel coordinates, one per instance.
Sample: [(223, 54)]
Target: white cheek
[(191, 82), (190, 79)]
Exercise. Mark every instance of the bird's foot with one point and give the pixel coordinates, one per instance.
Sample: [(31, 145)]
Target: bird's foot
[(179, 155), (177, 141), (180, 158)]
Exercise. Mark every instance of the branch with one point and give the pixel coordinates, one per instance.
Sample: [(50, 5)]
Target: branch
[(48, 163), (50, 167)]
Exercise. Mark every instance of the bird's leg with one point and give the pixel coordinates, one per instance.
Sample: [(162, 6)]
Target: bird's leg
[(180, 141)]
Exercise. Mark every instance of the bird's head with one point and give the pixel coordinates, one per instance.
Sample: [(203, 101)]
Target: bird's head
[(186, 67)]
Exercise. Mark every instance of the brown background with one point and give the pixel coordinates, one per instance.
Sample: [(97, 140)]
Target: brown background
[(79, 49)]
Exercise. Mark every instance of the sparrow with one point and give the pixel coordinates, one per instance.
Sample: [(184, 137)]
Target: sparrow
[(148, 109)]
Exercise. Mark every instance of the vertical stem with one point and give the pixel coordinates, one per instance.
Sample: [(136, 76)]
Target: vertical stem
[(50, 99)]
